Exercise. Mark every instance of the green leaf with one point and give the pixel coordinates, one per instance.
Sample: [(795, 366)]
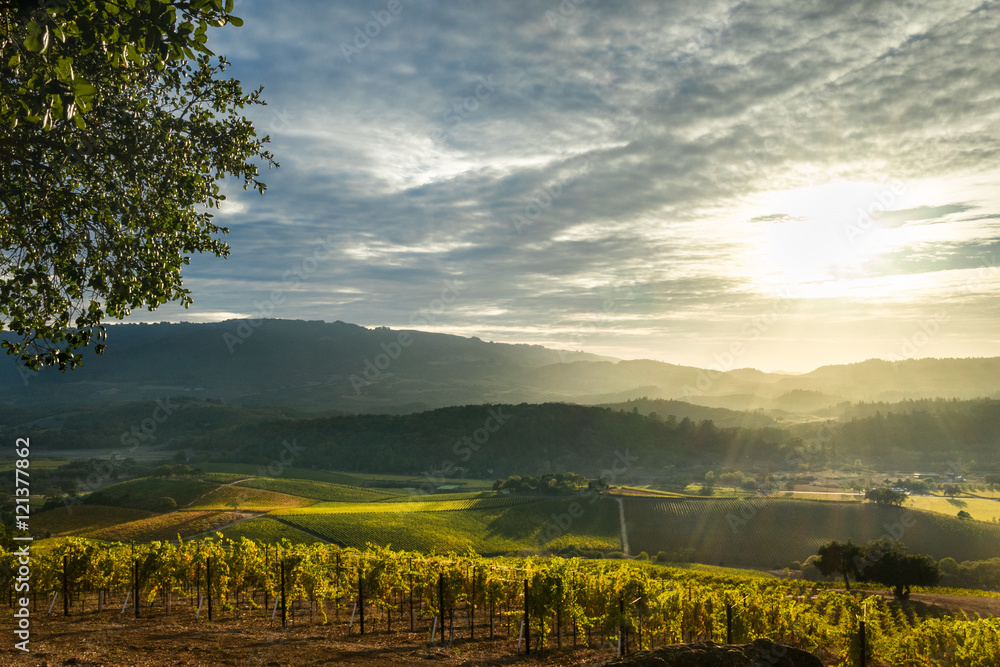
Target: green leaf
[(236, 21), (32, 43)]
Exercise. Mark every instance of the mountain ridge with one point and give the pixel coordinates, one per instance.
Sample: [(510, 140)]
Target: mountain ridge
[(314, 365)]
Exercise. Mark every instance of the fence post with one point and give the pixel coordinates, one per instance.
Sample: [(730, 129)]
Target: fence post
[(208, 586), (863, 640), (135, 587), (729, 623), (441, 603), (622, 645), (361, 599), (559, 614), (527, 621), (65, 587), (284, 609)]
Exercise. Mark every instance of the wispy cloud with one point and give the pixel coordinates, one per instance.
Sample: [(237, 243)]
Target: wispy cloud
[(411, 157)]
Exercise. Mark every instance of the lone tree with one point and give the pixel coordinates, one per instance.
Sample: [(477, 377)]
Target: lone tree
[(886, 562), (886, 496), (838, 558), (115, 128)]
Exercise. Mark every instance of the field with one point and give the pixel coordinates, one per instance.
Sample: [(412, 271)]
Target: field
[(981, 509), (325, 491), (773, 532), (165, 526), (246, 499), (266, 530), (149, 493), (421, 504), (79, 518), (381, 481), (767, 533), (984, 508), (489, 526)]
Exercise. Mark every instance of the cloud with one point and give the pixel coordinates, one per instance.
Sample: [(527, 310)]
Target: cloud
[(632, 134)]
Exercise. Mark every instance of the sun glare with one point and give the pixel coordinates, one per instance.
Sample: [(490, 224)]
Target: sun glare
[(823, 232)]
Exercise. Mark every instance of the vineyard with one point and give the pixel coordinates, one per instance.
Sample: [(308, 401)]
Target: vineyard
[(495, 525), (166, 526), (324, 491), (772, 532), (542, 603), (248, 499)]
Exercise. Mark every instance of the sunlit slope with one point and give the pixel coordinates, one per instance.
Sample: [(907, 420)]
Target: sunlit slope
[(489, 526), (773, 532)]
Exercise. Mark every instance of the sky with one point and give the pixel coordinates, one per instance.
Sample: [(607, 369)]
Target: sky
[(778, 184)]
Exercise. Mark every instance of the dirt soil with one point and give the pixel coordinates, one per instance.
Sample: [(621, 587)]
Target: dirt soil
[(104, 640), (107, 640)]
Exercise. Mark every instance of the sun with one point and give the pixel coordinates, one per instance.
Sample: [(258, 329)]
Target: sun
[(823, 232)]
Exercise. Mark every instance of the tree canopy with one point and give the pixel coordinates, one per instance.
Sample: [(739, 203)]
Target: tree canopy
[(115, 129), (886, 496), (842, 559), (886, 562)]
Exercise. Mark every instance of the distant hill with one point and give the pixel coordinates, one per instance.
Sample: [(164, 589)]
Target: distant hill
[(319, 366), (721, 417)]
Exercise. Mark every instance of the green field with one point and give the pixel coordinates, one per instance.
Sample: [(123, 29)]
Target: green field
[(431, 504), (773, 532), (326, 491), (981, 509), (248, 499), (513, 525), (78, 518), (267, 530), (165, 526), (146, 493)]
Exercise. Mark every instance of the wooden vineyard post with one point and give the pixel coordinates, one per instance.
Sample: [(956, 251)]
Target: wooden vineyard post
[(284, 609), (412, 625), (862, 644), (729, 623), (361, 599), (208, 586), (197, 584), (267, 569), (472, 608), (441, 603), (135, 588), (559, 614), (336, 607), (65, 587), (527, 621), (622, 645)]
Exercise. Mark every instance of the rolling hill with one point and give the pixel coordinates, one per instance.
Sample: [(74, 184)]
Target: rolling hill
[(319, 366)]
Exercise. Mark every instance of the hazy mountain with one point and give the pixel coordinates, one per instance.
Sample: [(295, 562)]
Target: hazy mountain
[(338, 366)]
